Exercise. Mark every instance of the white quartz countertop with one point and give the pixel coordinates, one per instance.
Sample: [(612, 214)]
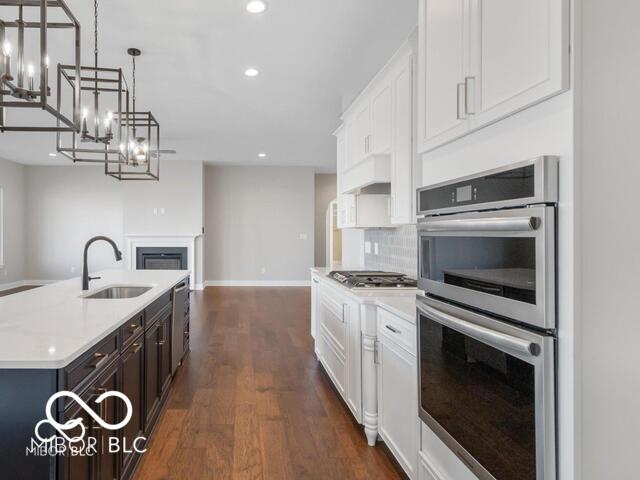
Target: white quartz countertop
[(400, 302), (50, 326)]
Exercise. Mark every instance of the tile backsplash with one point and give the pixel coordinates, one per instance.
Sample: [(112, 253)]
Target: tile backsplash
[(397, 250)]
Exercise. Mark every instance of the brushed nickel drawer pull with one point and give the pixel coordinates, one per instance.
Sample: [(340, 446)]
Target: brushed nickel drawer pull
[(136, 347), (394, 330)]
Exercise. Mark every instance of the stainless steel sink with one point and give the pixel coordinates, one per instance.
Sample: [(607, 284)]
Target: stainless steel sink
[(118, 292)]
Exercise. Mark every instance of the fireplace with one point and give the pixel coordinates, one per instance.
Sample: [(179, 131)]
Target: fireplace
[(162, 258), (184, 245)]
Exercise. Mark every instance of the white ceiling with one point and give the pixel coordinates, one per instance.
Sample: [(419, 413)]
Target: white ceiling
[(313, 56)]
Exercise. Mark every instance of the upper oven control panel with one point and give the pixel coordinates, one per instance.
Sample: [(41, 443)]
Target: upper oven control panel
[(525, 183)]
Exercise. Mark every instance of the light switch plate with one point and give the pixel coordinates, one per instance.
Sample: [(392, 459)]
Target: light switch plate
[(303, 236), (367, 247), (376, 251)]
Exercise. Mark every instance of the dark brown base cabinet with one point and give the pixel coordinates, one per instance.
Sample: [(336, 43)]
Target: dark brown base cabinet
[(135, 360)]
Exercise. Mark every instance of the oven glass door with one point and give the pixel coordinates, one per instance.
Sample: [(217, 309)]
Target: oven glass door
[(488, 394), (500, 262)]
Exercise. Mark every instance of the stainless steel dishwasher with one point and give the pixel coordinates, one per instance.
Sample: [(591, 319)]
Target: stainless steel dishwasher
[(180, 333)]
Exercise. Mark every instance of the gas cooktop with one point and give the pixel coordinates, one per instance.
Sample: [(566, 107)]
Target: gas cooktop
[(372, 279)]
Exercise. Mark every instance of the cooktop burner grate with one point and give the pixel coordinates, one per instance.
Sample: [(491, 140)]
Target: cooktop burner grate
[(372, 279)]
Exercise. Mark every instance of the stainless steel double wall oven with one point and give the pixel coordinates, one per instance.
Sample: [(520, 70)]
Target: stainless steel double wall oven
[(487, 321)]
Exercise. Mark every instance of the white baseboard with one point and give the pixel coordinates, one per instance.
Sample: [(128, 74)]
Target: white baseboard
[(9, 286), (257, 283), (24, 283)]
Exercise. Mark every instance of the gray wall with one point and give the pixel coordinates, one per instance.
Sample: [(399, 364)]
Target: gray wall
[(610, 234), (254, 217), (65, 206), (326, 186), (12, 181)]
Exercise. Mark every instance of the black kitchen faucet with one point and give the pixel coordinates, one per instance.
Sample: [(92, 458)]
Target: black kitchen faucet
[(85, 271)]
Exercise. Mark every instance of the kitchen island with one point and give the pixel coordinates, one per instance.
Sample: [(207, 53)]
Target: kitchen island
[(55, 338)]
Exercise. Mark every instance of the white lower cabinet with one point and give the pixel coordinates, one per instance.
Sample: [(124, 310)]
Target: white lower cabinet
[(315, 287), (427, 470), (399, 425), (339, 345), (370, 356)]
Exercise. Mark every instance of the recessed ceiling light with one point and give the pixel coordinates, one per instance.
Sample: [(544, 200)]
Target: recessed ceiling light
[(256, 6), (251, 72), (53, 154), (262, 155)]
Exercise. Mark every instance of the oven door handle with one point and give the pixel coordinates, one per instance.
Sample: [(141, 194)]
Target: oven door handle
[(495, 339), (493, 224)]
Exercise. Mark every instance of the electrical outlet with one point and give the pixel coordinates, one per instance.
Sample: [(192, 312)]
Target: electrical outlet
[(155, 211), (376, 251), (367, 247), (303, 236), (162, 211), (73, 269), (263, 270)]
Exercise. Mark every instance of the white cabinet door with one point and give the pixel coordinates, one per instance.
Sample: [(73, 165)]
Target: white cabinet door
[(315, 287), (381, 115), (333, 331), (350, 142), (346, 203), (402, 192), (519, 55), (360, 142), (398, 403), (351, 211), (443, 66), (341, 345)]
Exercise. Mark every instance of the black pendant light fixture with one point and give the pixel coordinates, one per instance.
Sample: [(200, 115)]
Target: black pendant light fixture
[(24, 82), (104, 98), (142, 151)]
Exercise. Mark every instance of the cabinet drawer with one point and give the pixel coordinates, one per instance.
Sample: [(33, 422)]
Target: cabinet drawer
[(397, 330), (131, 329), (332, 318), (91, 362), (151, 313)]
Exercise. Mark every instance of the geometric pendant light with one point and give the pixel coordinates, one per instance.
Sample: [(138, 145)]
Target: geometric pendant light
[(27, 102), (142, 150), (103, 95)]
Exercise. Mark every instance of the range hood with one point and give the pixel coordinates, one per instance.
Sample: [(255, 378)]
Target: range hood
[(374, 169)]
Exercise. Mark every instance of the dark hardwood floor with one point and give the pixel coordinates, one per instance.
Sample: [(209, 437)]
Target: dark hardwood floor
[(251, 401), (11, 291)]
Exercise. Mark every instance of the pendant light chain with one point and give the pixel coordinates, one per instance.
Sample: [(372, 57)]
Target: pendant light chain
[(95, 31), (134, 95), (95, 64), (134, 83)]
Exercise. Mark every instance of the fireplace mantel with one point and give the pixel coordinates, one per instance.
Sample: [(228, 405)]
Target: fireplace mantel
[(133, 241)]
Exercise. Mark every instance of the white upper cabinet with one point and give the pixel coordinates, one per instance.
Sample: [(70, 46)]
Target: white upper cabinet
[(519, 55), (402, 191), (443, 65), (380, 138), (346, 203), (361, 134), (482, 60), (378, 132)]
